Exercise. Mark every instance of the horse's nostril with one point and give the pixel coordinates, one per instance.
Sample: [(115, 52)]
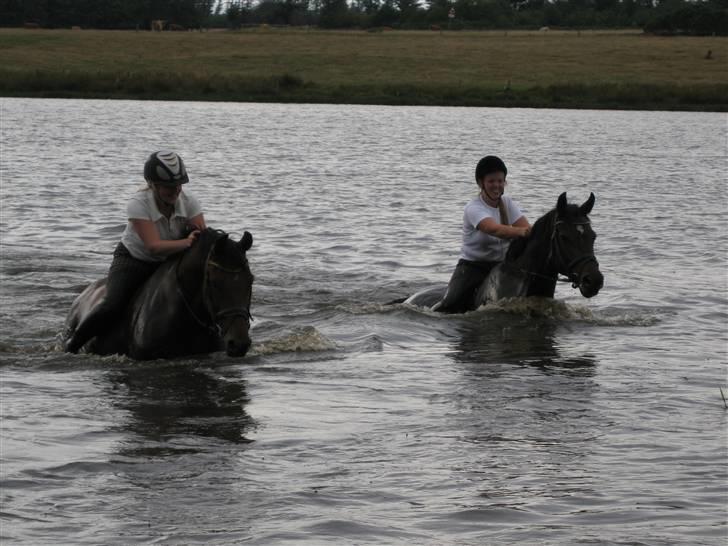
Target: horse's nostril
[(237, 348)]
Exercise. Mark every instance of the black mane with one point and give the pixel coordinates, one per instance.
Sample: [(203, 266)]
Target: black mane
[(541, 230)]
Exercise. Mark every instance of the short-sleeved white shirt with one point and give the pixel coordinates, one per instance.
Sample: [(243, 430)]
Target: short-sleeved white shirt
[(479, 246), (143, 207)]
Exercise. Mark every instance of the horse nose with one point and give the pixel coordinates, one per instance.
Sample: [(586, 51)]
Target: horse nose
[(591, 284), (237, 348)]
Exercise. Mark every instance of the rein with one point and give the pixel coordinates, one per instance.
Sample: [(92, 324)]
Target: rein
[(556, 251), (213, 323)]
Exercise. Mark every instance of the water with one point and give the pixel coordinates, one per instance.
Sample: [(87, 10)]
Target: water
[(352, 422)]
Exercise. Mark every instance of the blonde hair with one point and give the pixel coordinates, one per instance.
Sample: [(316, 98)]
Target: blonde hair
[(503, 212)]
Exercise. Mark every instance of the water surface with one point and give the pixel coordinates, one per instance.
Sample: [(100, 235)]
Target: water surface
[(352, 422)]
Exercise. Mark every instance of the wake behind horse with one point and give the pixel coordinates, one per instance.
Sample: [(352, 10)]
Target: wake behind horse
[(196, 302), (561, 243)]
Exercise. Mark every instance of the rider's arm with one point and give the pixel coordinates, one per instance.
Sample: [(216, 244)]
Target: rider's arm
[(198, 221), (522, 222), (148, 233), (520, 228)]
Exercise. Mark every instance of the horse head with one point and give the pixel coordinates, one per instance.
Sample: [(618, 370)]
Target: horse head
[(227, 292), (572, 246), (216, 284)]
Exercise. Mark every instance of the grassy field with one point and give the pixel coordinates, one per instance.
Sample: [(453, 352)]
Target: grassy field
[(572, 69)]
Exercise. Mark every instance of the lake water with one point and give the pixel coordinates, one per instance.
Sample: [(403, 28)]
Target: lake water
[(352, 422)]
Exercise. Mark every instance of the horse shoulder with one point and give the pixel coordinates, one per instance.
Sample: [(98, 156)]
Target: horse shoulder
[(504, 281), (152, 311)]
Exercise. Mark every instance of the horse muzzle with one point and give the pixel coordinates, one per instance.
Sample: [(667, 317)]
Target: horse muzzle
[(235, 331), (237, 348), (590, 282)]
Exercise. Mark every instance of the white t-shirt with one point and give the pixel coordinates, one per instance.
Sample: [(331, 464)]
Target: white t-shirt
[(143, 207), (479, 246)]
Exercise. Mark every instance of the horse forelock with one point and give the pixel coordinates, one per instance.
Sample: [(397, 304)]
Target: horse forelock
[(199, 252), (573, 213), (229, 254), (220, 248)]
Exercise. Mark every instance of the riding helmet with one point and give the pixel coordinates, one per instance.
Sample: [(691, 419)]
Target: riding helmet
[(489, 164), (166, 168)]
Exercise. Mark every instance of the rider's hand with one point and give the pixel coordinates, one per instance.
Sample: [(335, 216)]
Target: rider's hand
[(192, 237)]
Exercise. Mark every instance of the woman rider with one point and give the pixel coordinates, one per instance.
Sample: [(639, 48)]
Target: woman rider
[(487, 231), (160, 216)]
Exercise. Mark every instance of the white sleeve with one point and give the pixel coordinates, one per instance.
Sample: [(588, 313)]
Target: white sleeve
[(514, 211), (138, 209), (192, 206), (474, 214)]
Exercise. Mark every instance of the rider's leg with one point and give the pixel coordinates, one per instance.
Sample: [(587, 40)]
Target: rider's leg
[(126, 275), (464, 284)]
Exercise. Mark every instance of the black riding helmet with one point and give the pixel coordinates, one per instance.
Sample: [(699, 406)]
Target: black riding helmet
[(489, 164), (166, 168)]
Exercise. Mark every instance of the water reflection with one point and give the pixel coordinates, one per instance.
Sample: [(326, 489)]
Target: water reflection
[(172, 405), (524, 406), (503, 338)]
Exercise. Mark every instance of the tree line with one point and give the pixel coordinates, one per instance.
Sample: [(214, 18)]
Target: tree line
[(697, 17)]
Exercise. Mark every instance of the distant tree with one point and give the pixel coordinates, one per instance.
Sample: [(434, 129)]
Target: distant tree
[(368, 7), (386, 16), (334, 14), (701, 18)]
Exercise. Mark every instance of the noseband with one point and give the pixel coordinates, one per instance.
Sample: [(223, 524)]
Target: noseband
[(213, 322), (555, 251)]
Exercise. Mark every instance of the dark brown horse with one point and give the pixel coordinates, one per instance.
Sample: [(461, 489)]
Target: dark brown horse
[(561, 243), (196, 302)]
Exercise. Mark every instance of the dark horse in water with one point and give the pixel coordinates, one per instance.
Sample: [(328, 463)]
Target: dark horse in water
[(561, 242), (195, 302)]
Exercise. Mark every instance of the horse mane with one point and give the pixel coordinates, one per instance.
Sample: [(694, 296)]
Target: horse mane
[(541, 229)]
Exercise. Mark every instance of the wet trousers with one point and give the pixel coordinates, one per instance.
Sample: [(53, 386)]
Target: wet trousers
[(463, 286), (126, 275)]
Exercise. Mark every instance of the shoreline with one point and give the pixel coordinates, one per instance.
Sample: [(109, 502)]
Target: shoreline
[(561, 69)]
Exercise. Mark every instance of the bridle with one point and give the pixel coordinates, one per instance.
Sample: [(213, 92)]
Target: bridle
[(556, 252), (213, 317)]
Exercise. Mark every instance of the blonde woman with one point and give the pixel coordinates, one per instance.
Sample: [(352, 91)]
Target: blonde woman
[(162, 220)]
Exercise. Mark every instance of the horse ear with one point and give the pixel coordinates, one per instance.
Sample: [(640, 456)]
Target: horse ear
[(561, 204), (246, 241), (586, 208)]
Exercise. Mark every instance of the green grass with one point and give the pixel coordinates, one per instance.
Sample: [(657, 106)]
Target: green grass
[(557, 68)]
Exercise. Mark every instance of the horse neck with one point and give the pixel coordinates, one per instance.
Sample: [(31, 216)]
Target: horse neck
[(535, 255), (190, 269)]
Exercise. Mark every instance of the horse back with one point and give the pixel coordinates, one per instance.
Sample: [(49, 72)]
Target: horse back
[(84, 303), (113, 341)]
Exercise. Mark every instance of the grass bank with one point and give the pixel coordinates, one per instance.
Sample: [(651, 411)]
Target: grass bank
[(537, 69)]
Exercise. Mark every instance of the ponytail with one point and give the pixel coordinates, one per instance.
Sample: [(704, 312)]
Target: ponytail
[(503, 212)]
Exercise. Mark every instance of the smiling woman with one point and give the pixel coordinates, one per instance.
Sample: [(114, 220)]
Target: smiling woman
[(487, 232)]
